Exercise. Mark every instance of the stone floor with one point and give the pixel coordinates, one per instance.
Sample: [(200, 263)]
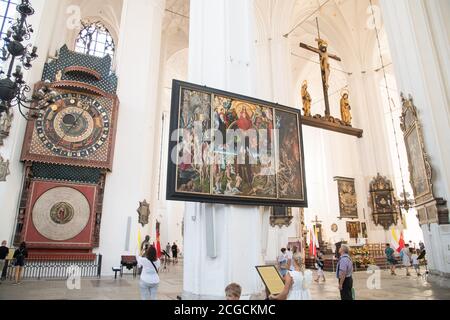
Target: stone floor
[(397, 287)]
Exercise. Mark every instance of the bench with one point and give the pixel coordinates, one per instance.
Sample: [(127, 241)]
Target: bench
[(128, 262), (115, 270)]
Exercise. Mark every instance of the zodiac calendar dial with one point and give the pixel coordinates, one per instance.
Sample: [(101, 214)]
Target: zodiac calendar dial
[(75, 126)]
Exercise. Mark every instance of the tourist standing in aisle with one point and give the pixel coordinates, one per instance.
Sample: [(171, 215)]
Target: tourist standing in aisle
[(175, 253), (283, 262), (390, 257), (344, 273), (149, 282), (415, 260), (405, 255), (168, 247), (146, 243), (319, 265), (4, 251), (20, 255)]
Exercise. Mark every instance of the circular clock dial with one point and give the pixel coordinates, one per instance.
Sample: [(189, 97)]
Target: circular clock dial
[(75, 126), (61, 213)]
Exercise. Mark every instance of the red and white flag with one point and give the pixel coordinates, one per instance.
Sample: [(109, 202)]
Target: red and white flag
[(401, 242), (312, 244)]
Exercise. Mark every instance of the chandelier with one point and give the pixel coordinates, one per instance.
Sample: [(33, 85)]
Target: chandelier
[(16, 56)]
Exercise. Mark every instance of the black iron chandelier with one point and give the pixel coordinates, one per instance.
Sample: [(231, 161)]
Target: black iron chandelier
[(13, 89)]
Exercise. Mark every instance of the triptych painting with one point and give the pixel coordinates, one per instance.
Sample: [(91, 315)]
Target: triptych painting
[(230, 149)]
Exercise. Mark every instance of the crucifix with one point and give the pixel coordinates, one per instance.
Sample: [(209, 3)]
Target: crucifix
[(318, 227), (322, 51)]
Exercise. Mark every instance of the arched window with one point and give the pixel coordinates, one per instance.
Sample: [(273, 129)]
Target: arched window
[(7, 14), (94, 39)]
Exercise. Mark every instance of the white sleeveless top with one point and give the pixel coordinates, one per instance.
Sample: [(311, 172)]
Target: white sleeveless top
[(300, 285)]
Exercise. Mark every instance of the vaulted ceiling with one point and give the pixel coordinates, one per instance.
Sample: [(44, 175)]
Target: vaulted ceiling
[(176, 16)]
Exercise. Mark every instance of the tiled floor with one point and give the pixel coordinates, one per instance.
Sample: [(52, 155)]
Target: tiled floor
[(397, 287)]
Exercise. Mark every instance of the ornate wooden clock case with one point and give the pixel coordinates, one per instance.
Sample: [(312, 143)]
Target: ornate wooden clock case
[(67, 151)]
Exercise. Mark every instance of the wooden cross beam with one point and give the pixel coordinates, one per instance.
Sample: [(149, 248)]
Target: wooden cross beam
[(324, 56)]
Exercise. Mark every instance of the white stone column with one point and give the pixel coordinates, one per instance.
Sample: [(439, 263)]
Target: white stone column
[(418, 33), (272, 78), (138, 65), (418, 38), (221, 57), (46, 11)]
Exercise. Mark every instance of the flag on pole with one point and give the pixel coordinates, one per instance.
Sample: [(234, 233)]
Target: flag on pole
[(158, 242), (312, 244), (401, 242), (316, 237), (139, 240)]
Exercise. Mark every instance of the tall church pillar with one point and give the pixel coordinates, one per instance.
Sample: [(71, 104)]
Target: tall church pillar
[(222, 243), (43, 23), (418, 33), (130, 182), (273, 83)]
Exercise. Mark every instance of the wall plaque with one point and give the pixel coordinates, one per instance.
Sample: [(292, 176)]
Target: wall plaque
[(348, 204)]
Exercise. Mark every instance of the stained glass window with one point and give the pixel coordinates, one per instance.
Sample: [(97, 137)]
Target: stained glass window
[(94, 39), (8, 13)]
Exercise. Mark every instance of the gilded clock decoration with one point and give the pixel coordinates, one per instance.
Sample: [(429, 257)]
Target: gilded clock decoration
[(62, 213)]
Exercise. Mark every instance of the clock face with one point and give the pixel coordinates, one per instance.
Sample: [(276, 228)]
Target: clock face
[(76, 126)]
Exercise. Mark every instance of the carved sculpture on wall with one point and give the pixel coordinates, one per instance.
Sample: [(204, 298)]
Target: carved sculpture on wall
[(280, 216), (385, 209), (430, 208), (4, 169), (334, 227), (5, 125), (346, 115), (306, 98), (364, 230), (419, 164), (348, 203), (353, 229), (144, 213)]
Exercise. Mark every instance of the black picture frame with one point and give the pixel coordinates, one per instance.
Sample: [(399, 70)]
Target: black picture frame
[(264, 280), (172, 194)]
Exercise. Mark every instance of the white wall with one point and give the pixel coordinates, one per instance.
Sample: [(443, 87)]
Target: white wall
[(10, 191), (418, 37)]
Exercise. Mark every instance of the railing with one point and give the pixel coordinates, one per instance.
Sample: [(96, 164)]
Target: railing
[(58, 269)]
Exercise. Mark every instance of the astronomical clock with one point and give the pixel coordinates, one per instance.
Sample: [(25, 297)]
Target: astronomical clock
[(68, 151)]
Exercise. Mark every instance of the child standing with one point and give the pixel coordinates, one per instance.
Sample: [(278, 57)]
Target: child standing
[(415, 261), (319, 266)]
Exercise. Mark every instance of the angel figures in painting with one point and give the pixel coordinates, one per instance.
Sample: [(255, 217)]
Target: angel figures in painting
[(306, 98), (345, 110)]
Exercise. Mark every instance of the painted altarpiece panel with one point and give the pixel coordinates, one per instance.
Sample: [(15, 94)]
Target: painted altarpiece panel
[(231, 149)]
